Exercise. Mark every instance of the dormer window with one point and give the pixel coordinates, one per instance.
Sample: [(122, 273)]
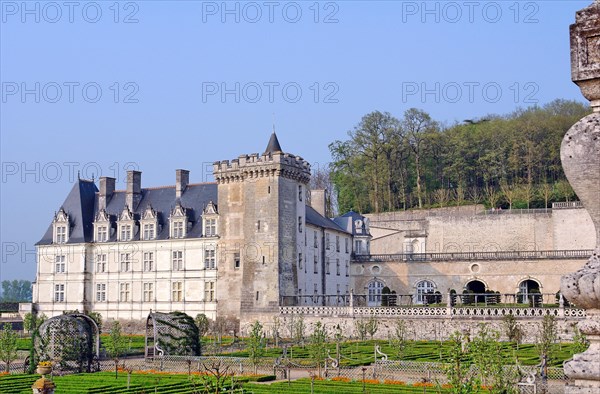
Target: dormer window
[(125, 232), (102, 226), (178, 221), (149, 231), (102, 234), (61, 234), (149, 224), (126, 225), (61, 227), (178, 229), (209, 220)]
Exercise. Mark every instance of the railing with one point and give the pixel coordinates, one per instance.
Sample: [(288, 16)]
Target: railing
[(518, 211), (467, 256), (566, 205), (433, 305)]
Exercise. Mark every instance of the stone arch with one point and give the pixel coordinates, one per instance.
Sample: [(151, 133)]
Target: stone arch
[(477, 286), (423, 287), (528, 290), (374, 288)]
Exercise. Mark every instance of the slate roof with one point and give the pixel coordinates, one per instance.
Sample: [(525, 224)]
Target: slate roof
[(273, 145), (79, 205), (82, 206), (316, 219), (348, 222)]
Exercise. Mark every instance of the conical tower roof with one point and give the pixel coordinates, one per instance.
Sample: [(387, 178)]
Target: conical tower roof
[(273, 145)]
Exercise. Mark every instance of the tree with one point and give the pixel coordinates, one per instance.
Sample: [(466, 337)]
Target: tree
[(203, 324), (545, 338), (299, 327), (399, 340), (486, 352), (372, 326), (458, 373), (31, 321), (256, 346), (275, 327), (317, 347), (360, 326), (16, 291), (512, 329), (116, 345), (8, 345)]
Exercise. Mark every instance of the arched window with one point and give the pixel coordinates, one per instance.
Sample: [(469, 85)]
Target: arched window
[(528, 291), (424, 287), (375, 287)]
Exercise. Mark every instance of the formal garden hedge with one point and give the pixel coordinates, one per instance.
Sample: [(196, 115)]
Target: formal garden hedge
[(105, 383)]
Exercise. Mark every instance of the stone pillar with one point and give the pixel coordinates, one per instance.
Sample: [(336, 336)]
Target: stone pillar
[(580, 156)]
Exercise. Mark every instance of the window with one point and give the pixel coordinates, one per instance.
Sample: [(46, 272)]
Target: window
[(347, 243), (424, 287), (300, 260), (101, 263), (337, 243), (315, 293), (102, 235), (178, 229), (347, 268), (209, 291), (316, 265), (125, 232), (337, 267), (210, 227), (338, 291), (236, 260), (327, 241), (374, 290), (61, 234), (148, 292), (316, 240), (299, 192), (148, 261), (177, 292), (177, 260), (100, 292), (124, 295), (209, 259), (299, 224), (148, 231), (59, 292), (59, 267), (357, 247), (327, 265), (125, 262)]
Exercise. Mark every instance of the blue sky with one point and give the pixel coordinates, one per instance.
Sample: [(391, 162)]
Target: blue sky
[(102, 87)]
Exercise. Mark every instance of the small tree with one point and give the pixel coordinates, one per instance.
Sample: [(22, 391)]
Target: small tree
[(460, 378), (203, 324), (116, 345), (399, 340), (8, 345), (486, 352), (318, 345), (360, 326), (299, 328), (372, 326), (512, 329), (275, 330), (546, 336), (256, 346)]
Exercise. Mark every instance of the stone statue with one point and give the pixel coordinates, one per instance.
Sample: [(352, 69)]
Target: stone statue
[(580, 156)]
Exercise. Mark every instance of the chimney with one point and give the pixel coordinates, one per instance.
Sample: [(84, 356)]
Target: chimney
[(107, 187), (182, 179), (318, 200), (134, 189)]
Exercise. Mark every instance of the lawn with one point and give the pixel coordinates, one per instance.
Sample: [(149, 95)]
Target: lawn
[(105, 382)]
